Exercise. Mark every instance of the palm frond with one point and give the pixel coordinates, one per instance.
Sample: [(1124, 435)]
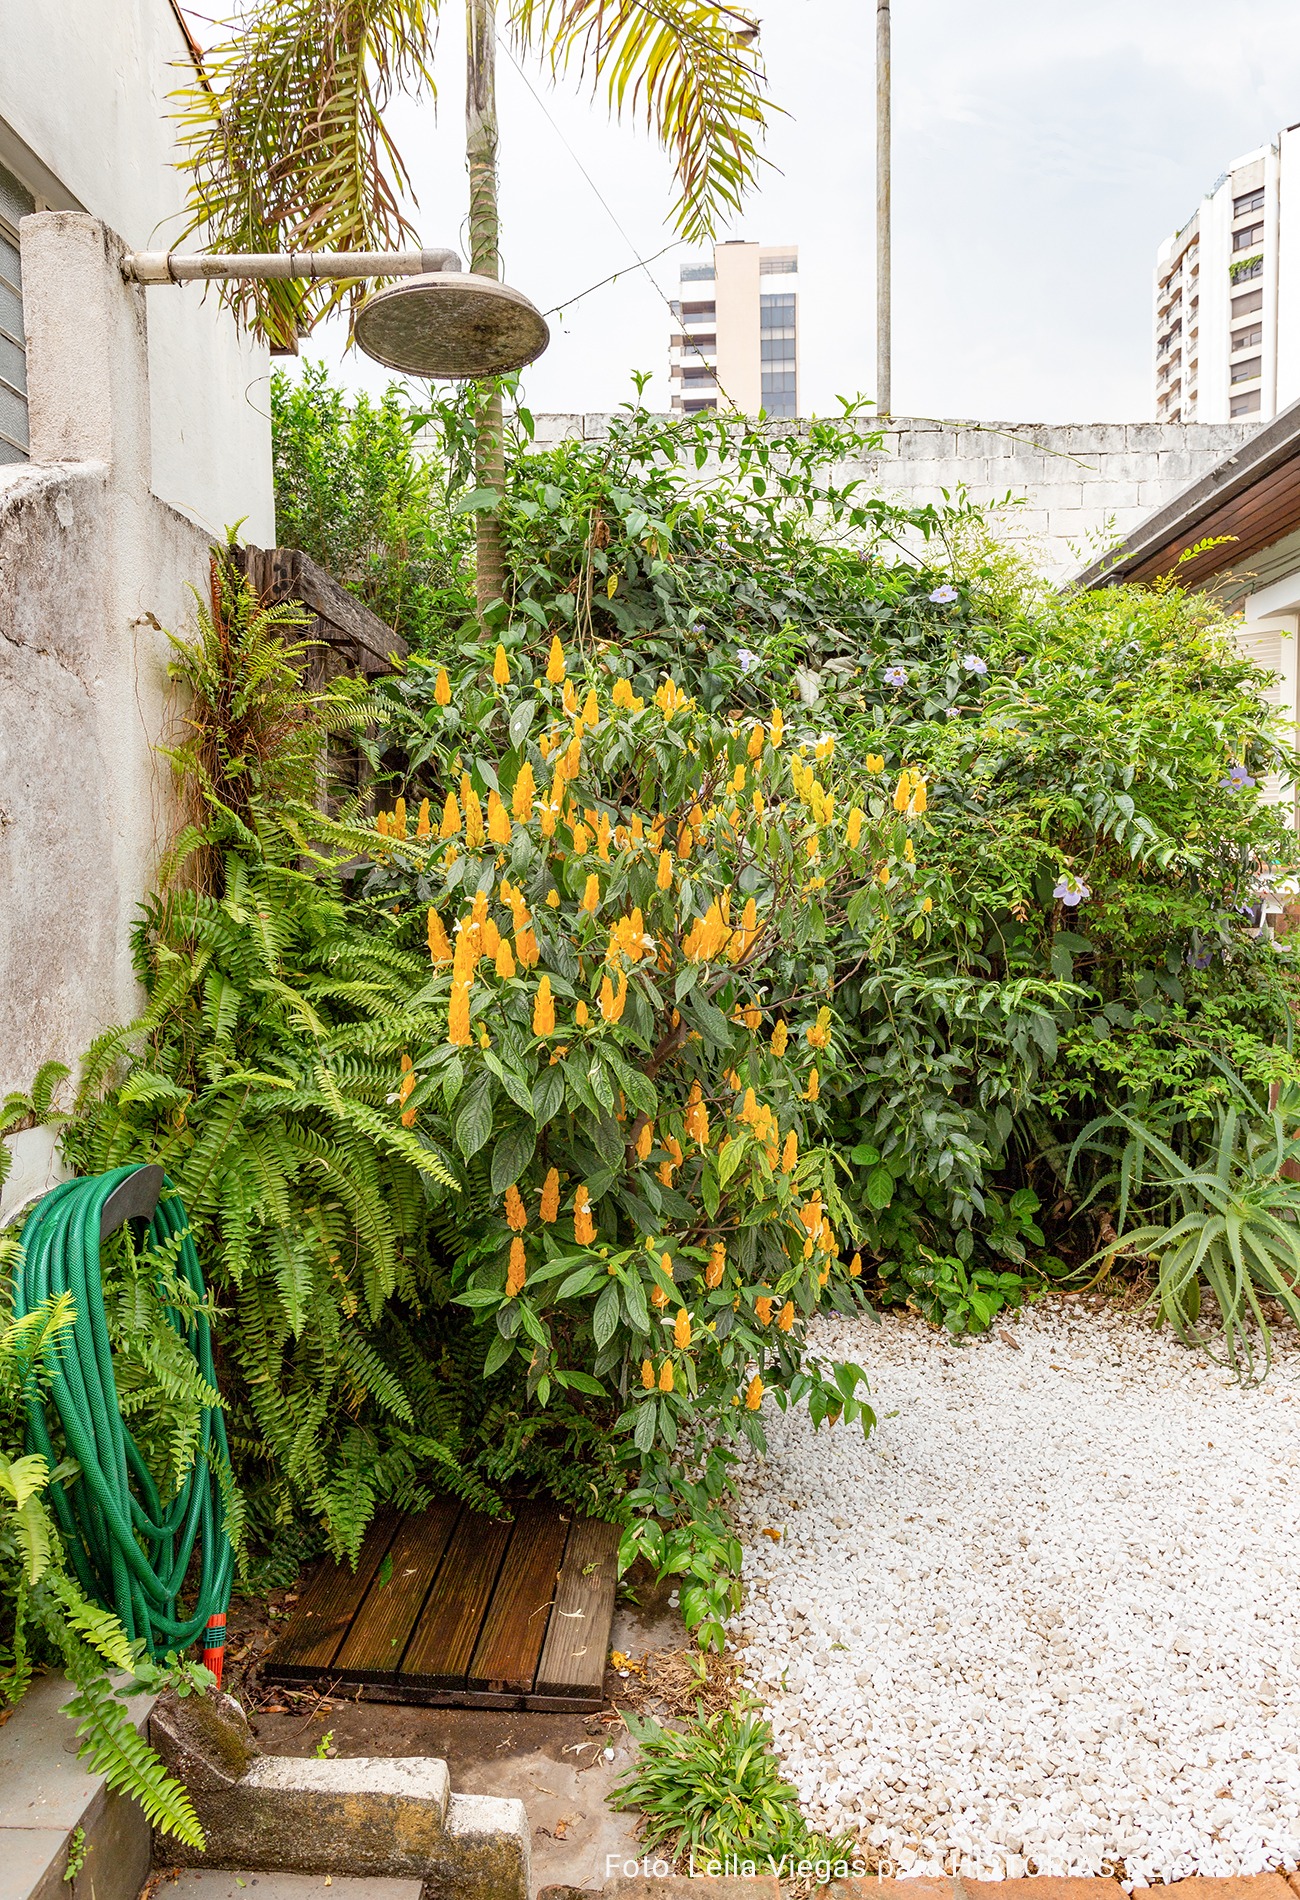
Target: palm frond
[(688, 69), (287, 146)]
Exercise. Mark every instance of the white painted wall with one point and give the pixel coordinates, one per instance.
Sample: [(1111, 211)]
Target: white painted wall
[(739, 370), (83, 124), (1079, 486)]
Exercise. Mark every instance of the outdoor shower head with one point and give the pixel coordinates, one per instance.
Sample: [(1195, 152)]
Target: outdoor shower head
[(451, 324), (436, 321)]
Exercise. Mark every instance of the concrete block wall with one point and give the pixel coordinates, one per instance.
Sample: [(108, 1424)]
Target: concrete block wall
[(1077, 486)]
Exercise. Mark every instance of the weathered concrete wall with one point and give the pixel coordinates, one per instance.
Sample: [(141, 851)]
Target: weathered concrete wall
[(92, 568), (1079, 486)]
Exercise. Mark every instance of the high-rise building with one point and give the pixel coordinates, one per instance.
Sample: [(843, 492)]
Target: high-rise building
[(735, 343), (1227, 315)]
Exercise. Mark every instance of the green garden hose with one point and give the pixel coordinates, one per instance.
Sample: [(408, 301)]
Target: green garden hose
[(131, 1553)]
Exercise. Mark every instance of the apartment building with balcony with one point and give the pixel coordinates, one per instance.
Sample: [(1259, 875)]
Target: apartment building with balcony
[(735, 340), (1227, 302)]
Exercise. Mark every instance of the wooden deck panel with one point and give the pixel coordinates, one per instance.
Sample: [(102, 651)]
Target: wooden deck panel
[(452, 1608)]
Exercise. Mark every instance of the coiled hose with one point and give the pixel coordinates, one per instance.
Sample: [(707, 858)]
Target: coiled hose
[(130, 1551)]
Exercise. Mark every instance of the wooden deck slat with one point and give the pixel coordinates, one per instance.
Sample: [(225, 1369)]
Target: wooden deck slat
[(384, 1620), (438, 1654), (326, 1609), (514, 1629), (573, 1657)]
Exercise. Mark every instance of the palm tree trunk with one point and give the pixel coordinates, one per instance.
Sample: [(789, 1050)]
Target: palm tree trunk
[(484, 257)]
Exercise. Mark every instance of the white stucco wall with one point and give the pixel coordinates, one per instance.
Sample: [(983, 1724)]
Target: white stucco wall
[(84, 125), (1080, 486)]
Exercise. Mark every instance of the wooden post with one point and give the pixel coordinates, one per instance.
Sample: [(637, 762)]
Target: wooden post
[(485, 259), (884, 393)]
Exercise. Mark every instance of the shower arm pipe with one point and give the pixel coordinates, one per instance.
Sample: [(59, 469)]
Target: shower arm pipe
[(175, 267)]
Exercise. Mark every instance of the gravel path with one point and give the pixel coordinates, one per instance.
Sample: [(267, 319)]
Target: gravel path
[(1047, 1619)]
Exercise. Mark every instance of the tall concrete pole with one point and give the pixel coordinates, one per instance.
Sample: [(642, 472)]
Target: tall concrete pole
[(884, 394)]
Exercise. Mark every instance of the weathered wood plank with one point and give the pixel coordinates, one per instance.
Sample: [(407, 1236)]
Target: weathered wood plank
[(573, 1657), (381, 1628), (515, 1626), (326, 1608), (438, 1654)]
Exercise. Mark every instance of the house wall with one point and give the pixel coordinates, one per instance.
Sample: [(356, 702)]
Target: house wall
[(1077, 488), (84, 125)]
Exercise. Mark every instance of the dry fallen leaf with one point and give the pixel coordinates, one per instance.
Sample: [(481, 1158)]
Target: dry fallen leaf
[(767, 1531)]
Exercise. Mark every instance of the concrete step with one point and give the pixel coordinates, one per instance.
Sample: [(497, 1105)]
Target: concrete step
[(208, 1883)]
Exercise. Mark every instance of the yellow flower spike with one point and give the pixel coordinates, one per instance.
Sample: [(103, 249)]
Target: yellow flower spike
[(665, 878), (550, 1203), (823, 1276), (780, 1036), (591, 894), (875, 763), (666, 1376), (607, 999), (584, 1227), (603, 835), (442, 688), (526, 951), (501, 666), (752, 1016), (917, 803), (474, 829), (717, 1264), (423, 829), (664, 1174), (647, 1375), (813, 1089), (902, 793), (645, 1141), (757, 740), (776, 729), (927, 904), (790, 1152), (882, 875), (518, 1272), (666, 1264), (855, 1267), (458, 1016), (760, 804), (553, 899), (590, 709), (569, 698), (658, 1298), (521, 799), (491, 937), (582, 1015), (696, 1118), (544, 1009), (853, 830), (763, 1308), (581, 841), (819, 1033), (754, 1394), (638, 828), (573, 758), (498, 822), (505, 960), (685, 841), (399, 818), (450, 818), (548, 818), (785, 1319), (682, 1329), (516, 1212), (439, 947), (909, 855), (555, 661)]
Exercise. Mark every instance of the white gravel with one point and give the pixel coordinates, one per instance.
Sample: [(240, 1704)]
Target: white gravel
[(1047, 1618)]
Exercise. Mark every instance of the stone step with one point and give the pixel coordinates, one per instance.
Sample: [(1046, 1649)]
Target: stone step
[(208, 1883)]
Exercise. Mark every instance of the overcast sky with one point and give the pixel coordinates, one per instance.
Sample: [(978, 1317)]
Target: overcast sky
[(1042, 149)]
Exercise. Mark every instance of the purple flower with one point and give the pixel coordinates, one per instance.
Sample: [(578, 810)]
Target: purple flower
[(944, 596), (895, 676), (1200, 959), (748, 660), (974, 664), (954, 712), (1237, 777), (1071, 891)]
